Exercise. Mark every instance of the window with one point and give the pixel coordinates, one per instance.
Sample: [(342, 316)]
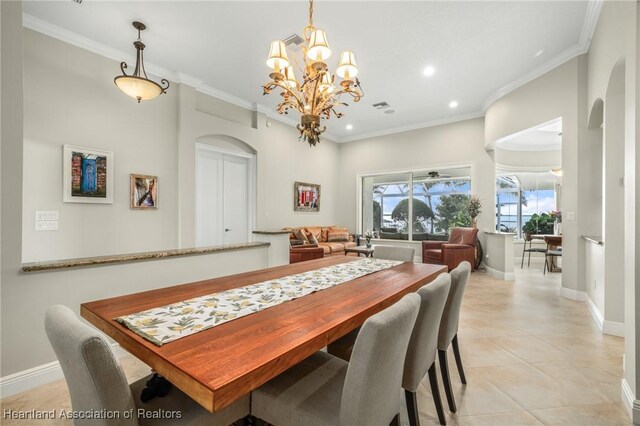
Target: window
[(417, 205), (521, 195)]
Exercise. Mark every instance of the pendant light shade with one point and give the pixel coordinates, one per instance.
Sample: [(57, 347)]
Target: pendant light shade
[(347, 68), (290, 78), (278, 59), (138, 85), (318, 46), (325, 84)]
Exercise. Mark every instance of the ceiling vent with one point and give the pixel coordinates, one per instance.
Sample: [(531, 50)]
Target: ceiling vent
[(294, 41), (381, 105)]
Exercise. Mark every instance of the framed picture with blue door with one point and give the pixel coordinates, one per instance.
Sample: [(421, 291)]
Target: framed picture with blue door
[(88, 175)]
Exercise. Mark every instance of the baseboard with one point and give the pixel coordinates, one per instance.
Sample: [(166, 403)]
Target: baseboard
[(631, 404), (595, 313), (25, 380), (613, 328), (501, 275), (568, 293)]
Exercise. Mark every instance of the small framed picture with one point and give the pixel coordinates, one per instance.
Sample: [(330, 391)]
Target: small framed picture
[(144, 191), (306, 197), (88, 175)]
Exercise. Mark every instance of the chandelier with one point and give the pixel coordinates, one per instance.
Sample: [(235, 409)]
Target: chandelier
[(138, 85), (316, 96)]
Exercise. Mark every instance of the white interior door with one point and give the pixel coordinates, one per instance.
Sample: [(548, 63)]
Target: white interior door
[(223, 207), (235, 202)]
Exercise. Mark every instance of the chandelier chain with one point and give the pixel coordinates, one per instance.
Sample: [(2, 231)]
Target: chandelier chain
[(311, 13)]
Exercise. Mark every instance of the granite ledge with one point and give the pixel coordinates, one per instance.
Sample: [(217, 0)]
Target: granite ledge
[(273, 232), (134, 257)]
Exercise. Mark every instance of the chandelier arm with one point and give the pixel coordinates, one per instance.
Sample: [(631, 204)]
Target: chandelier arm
[(289, 91), (123, 66)]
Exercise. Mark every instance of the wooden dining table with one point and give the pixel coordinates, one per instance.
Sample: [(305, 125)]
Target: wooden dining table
[(219, 365)]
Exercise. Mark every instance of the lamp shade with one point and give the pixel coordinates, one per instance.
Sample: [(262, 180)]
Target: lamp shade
[(138, 88), (318, 46), (347, 68), (290, 78), (278, 58), (325, 83)]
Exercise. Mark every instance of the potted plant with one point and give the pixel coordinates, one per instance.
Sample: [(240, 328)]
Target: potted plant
[(538, 224), (474, 208), (556, 215)]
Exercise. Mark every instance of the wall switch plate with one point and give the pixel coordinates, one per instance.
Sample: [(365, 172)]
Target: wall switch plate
[(47, 215), (571, 215), (46, 225)]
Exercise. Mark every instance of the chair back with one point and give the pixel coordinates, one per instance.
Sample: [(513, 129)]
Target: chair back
[(404, 254), (371, 392), (94, 377), (466, 236), (451, 314), (423, 344)]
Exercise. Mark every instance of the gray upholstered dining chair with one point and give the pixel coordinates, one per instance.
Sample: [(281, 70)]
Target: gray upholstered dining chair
[(326, 390), (96, 382), (404, 254), (448, 334), (421, 354)]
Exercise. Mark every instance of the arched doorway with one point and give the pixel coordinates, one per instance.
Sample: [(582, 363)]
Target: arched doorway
[(613, 200), (225, 190)]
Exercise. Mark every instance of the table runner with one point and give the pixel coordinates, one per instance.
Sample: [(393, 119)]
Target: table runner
[(171, 322)]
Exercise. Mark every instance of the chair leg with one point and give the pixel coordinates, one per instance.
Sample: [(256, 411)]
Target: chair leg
[(395, 421), (456, 354), (524, 250), (412, 408), (435, 391), (529, 261), (446, 380)]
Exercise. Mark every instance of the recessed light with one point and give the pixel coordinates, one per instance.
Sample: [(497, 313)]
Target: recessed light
[(429, 71), (539, 52), (349, 127), (453, 104)]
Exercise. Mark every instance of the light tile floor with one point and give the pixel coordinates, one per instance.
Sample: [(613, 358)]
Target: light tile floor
[(531, 357)]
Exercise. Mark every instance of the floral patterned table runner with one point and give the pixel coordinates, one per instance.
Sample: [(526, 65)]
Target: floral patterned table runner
[(171, 322)]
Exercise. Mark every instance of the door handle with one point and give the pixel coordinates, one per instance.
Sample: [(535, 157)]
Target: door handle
[(227, 229)]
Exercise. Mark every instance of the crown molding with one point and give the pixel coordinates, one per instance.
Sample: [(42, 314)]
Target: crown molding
[(417, 126), (584, 42)]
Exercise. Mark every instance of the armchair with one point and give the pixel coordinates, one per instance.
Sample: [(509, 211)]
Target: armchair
[(460, 247), (307, 252)]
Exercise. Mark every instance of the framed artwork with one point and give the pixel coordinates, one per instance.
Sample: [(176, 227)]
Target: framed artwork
[(88, 175), (144, 192), (306, 197)]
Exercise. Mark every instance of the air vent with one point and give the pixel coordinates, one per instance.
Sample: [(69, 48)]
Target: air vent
[(294, 41), (381, 105)]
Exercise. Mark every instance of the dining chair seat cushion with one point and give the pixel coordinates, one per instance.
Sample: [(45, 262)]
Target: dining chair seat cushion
[(308, 393), (191, 413), (403, 254)]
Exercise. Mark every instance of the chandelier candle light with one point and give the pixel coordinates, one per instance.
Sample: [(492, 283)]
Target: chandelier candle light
[(316, 97), (138, 85)]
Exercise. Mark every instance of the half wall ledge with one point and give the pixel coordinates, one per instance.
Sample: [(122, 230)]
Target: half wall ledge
[(135, 257)]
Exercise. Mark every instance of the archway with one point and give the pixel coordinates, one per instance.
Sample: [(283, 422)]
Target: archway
[(613, 201)]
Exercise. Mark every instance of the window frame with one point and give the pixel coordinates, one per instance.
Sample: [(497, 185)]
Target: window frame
[(411, 171)]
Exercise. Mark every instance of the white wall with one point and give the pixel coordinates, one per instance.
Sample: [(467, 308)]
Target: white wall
[(448, 144), (554, 94), (541, 161), (617, 38), (70, 98)]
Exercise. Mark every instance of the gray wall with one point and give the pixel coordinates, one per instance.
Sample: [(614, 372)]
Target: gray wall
[(449, 144)]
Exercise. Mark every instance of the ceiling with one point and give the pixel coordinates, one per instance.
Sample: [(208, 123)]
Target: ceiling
[(480, 50), (544, 137)]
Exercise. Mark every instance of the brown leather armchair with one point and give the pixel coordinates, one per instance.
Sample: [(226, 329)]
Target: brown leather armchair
[(461, 246), (307, 252)]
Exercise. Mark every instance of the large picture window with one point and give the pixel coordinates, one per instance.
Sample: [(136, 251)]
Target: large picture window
[(418, 205), (519, 196)]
